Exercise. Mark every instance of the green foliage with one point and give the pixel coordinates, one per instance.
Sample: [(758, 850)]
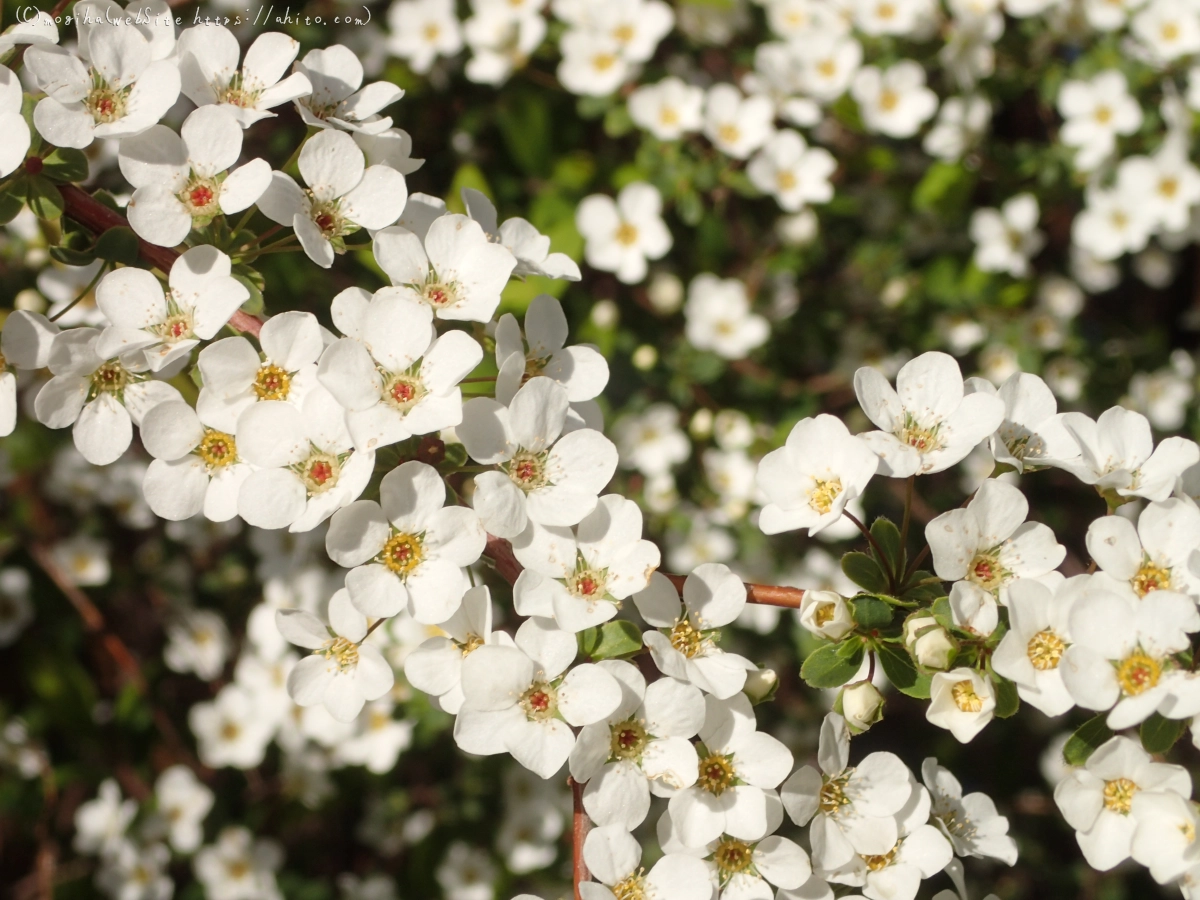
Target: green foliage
[(616, 639), (871, 613), (832, 665), (1086, 739), (1159, 733), (118, 245), (44, 198), (864, 571), (65, 165), (902, 671)]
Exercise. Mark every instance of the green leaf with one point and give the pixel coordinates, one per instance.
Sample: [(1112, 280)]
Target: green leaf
[(871, 613), (524, 120), (923, 593), (1086, 739), (941, 612), (65, 165), (1159, 733), (865, 572), (826, 667), (942, 188), (902, 672), (12, 200), (612, 640), (119, 245), (254, 303), (1007, 699), (70, 257), (887, 536), (44, 198)]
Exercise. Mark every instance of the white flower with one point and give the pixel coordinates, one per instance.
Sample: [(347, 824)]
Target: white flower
[(343, 671), (826, 614), (862, 705), (163, 326), (12, 124), (668, 109), (613, 857), (960, 124), (1113, 221), (453, 267), (208, 65), (183, 803), (1118, 456), (379, 738), (809, 480), (718, 317), (926, 422), (24, 344), (712, 598), (435, 667), (1121, 649), (389, 148), (592, 64), (307, 467), (828, 61), (231, 730), (1039, 632), (621, 235), (989, 543), (1097, 798), (581, 368), (971, 822), (1167, 183), (467, 873), (894, 101), (83, 559), (962, 701), (135, 872), (178, 179), (238, 866), (38, 28), (1007, 238), (1031, 434), (545, 476), (792, 172), (889, 17), (530, 247), (739, 769), (343, 195), (1163, 841), (641, 748), (236, 376), (102, 397), (1154, 556), (517, 699), (928, 642), (737, 125), (394, 377), (337, 101), (408, 550), (423, 30), (579, 579), (197, 641), (1096, 111), (500, 44), (120, 92), (1168, 28), (652, 442), (101, 823)]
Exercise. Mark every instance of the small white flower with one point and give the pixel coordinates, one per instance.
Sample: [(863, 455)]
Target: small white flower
[(423, 30), (135, 872), (197, 641), (971, 822), (1039, 633), (581, 368), (101, 823), (545, 476), (894, 101), (1167, 183), (306, 465), (737, 125), (960, 125), (718, 317), (518, 699), (1163, 841), (342, 672), (183, 803), (828, 62), (927, 423), (592, 63), (1031, 434), (686, 648), (669, 109), (826, 614), (179, 179), (343, 195), (239, 866), (652, 442), (392, 375), (1169, 29), (809, 480), (621, 235), (408, 550), (1154, 556), (530, 247), (337, 100), (12, 124), (962, 701), (613, 857), (1007, 238), (1096, 111), (792, 172), (1097, 798), (231, 729), (739, 769), (1113, 221), (500, 44), (208, 64), (163, 326), (453, 266)]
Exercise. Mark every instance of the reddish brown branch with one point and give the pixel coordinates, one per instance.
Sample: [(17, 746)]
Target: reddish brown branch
[(580, 826), (98, 218)]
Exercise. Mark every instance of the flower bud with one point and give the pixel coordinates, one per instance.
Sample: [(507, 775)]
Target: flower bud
[(862, 705), (760, 685), (825, 613), (928, 642)]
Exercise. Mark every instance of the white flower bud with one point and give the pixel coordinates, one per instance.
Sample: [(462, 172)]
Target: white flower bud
[(862, 705), (826, 614), (928, 642), (760, 685), (666, 293)]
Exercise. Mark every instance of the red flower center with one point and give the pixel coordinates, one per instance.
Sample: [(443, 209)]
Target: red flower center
[(201, 196), (320, 471), (539, 700)]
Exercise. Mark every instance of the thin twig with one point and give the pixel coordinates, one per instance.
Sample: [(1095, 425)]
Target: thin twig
[(580, 826)]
